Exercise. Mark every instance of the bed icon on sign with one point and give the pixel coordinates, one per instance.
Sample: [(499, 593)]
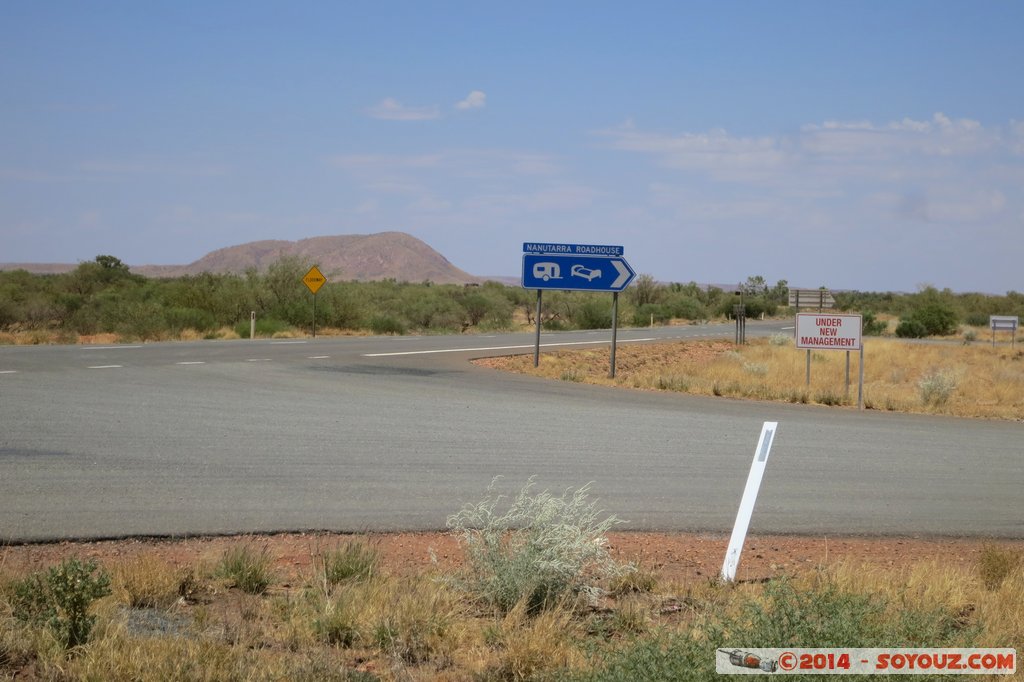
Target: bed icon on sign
[(589, 274), (546, 271)]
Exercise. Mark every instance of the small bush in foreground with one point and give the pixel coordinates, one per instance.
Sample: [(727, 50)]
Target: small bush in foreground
[(60, 599), (355, 560), (543, 548), (246, 568)]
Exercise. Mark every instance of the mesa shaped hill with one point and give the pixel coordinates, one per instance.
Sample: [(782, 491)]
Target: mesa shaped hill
[(385, 255)]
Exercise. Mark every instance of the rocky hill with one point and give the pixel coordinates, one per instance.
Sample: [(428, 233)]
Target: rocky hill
[(354, 256)]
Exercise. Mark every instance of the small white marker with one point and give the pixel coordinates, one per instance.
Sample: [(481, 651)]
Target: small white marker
[(106, 366), (194, 362), (318, 357)]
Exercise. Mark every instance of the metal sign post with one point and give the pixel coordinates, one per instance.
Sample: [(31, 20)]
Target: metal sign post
[(536, 341), (615, 331), (1005, 323), (313, 280)]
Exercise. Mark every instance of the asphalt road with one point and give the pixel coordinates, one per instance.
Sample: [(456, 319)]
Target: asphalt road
[(390, 433)]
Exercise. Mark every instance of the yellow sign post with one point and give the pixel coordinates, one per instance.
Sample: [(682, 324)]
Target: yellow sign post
[(313, 280)]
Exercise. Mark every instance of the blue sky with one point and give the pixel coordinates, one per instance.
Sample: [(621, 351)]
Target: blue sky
[(872, 145)]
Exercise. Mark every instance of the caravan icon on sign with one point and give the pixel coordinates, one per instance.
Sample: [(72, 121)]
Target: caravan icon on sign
[(547, 271)]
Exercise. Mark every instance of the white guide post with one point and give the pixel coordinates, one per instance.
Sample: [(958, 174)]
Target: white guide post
[(739, 530)]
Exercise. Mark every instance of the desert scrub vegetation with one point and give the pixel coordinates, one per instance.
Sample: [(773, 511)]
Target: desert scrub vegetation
[(432, 625), (949, 379), (539, 549)]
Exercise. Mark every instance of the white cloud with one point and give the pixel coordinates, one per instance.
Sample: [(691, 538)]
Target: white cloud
[(390, 109), (474, 100)]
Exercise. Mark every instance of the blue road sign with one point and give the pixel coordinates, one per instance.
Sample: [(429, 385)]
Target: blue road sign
[(605, 250), (575, 272)]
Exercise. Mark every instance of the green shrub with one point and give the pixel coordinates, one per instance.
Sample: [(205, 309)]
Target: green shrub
[(873, 327), (246, 568), (179, 319), (976, 319), (386, 324), (594, 314), (60, 599), (780, 339), (911, 329), (541, 549)]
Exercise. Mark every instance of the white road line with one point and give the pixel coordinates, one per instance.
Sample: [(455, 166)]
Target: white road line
[(106, 366), (108, 347), (787, 327), (8, 371), (468, 350), (286, 343), (258, 360), (318, 357), (194, 362)]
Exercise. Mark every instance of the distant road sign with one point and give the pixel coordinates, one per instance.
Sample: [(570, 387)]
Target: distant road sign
[(811, 298), (825, 331), (1005, 322), (575, 272), (314, 279)]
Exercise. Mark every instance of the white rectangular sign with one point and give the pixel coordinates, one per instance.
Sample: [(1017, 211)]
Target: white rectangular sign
[(826, 331), (1007, 322), (746, 510)]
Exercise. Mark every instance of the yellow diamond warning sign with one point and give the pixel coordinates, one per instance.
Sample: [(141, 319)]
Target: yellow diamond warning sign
[(314, 279)]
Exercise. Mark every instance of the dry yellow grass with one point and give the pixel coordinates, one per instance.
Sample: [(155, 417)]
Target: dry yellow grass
[(422, 627), (961, 380)]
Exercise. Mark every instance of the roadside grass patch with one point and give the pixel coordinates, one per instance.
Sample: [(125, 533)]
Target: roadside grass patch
[(149, 582), (354, 560), (996, 564), (900, 376), (246, 568)]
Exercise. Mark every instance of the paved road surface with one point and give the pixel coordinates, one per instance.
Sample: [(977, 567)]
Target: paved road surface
[(398, 432)]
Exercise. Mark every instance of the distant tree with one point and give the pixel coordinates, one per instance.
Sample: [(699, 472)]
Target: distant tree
[(645, 291)]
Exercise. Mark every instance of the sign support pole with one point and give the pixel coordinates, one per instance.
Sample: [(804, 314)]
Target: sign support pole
[(847, 373), (860, 386), (615, 330), (536, 342), (314, 316), (808, 367)]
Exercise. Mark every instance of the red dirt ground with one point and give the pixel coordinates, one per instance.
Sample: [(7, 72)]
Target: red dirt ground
[(681, 557)]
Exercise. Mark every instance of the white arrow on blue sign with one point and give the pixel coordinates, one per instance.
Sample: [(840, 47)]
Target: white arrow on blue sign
[(576, 272)]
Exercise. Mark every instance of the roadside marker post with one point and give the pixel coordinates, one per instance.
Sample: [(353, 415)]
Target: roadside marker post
[(313, 280), (746, 510), (576, 267)]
